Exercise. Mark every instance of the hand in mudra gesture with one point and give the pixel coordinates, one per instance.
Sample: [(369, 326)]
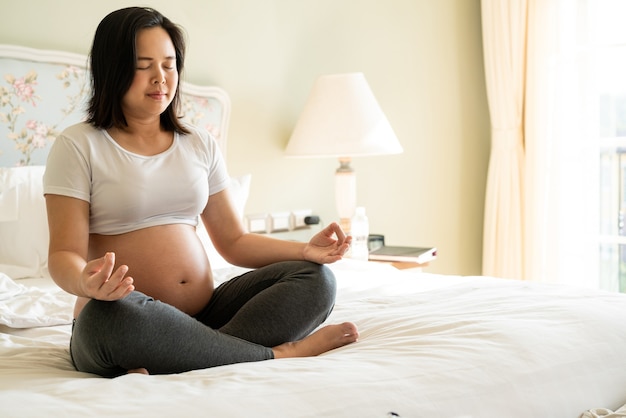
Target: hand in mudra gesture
[(328, 245)]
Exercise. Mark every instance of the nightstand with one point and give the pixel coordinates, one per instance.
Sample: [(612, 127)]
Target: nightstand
[(403, 265)]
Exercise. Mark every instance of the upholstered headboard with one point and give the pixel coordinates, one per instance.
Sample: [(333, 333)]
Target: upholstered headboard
[(44, 91)]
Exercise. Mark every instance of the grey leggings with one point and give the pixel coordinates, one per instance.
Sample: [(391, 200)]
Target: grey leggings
[(247, 314)]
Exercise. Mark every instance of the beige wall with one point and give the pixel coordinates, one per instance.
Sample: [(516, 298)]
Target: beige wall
[(422, 58)]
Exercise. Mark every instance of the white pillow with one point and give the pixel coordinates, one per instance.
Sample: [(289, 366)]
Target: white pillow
[(23, 222), (239, 190)]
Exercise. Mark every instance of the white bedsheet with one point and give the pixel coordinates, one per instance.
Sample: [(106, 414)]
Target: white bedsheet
[(430, 346), (33, 303)]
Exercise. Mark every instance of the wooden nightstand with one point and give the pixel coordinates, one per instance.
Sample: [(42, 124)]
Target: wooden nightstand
[(403, 265)]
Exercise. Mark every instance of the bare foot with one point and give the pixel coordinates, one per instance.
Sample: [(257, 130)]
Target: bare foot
[(140, 371), (321, 341)]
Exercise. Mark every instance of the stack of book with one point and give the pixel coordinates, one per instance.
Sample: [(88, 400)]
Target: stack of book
[(419, 255)]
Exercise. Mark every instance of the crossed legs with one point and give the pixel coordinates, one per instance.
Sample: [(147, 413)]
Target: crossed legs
[(267, 313)]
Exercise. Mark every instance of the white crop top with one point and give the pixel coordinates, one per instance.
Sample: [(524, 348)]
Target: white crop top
[(127, 191)]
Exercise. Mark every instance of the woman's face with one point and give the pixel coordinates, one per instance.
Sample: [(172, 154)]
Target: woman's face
[(156, 76)]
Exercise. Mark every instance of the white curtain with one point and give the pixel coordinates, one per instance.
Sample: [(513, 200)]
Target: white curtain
[(562, 208), (541, 209), (504, 39)]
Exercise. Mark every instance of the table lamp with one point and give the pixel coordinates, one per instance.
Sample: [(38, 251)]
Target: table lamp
[(342, 119)]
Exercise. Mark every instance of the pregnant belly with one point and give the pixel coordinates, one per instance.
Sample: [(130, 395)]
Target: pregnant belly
[(167, 262)]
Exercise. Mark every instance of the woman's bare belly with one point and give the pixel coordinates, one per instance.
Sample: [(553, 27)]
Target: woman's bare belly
[(167, 262)]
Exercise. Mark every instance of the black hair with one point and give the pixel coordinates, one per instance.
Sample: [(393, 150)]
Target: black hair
[(113, 61)]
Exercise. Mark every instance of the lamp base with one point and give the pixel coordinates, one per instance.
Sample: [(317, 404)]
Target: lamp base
[(345, 192)]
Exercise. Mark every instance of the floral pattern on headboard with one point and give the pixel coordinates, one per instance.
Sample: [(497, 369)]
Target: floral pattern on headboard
[(43, 92), (28, 130)]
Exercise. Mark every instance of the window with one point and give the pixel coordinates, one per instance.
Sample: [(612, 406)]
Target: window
[(610, 81)]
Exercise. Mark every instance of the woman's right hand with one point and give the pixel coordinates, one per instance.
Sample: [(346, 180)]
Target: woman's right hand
[(99, 281)]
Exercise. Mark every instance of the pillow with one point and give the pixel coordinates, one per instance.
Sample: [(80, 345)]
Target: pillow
[(23, 222), (239, 190)]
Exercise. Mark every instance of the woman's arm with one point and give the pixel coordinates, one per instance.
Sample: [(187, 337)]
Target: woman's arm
[(255, 250), (68, 222)]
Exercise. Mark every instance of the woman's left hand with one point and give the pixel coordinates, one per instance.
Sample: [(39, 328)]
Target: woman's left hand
[(328, 245)]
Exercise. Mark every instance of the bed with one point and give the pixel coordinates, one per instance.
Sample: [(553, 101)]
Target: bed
[(430, 345)]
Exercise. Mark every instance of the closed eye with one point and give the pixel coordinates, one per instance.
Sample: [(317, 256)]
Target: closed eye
[(146, 63)]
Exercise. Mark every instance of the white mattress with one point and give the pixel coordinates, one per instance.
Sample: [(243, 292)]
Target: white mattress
[(430, 346)]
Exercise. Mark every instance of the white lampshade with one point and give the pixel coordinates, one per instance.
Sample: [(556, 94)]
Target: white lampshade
[(342, 118)]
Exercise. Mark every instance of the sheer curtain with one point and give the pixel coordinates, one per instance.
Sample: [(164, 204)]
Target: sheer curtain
[(504, 39), (561, 145), (541, 209)]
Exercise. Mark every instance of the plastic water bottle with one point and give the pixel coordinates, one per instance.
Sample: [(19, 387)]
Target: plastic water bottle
[(359, 229)]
